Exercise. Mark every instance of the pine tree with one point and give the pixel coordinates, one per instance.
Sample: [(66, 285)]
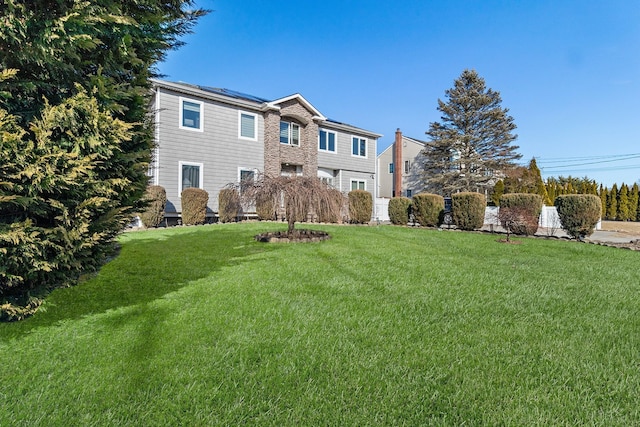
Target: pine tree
[(473, 139)]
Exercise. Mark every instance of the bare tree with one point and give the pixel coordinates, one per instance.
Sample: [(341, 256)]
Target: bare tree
[(515, 220), (300, 197)]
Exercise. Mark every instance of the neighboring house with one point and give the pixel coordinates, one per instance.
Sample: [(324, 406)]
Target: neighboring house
[(400, 168), (209, 137)]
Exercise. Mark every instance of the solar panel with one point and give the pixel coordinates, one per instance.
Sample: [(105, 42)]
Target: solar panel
[(233, 94)]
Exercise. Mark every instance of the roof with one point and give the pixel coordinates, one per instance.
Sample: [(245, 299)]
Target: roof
[(255, 102)]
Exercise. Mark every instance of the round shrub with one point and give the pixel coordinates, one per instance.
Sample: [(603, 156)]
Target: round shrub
[(520, 212), (156, 199), (360, 206), (579, 213), (399, 208), (194, 206), (468, 210), (229, 207), (427, 209)]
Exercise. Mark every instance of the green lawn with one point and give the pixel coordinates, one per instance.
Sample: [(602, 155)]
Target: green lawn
[(380, 325)]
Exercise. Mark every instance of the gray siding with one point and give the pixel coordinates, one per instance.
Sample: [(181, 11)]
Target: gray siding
[(218, 147), (385, 179), (222, 153), (413, 180), (343, 159)]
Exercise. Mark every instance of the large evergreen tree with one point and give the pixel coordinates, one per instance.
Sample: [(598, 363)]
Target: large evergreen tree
[(76, 131), (473, 139)]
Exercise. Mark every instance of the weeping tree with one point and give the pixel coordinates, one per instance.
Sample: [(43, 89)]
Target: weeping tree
[(299, 197)]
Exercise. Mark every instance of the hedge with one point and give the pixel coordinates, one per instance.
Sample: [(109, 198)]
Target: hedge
[(579, 213), (156, 198), (399, 208), (360, 206), (194, 206), (468, 210), (229, 207), (427, 209), (520, 212)]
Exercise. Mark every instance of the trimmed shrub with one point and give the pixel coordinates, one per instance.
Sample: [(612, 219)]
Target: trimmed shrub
[(399, 208), (194, 206), (579, 213), (468, 210), (229, 208), (360, 206), (265, 207), (520, 212), (427, 209), (156, 198)]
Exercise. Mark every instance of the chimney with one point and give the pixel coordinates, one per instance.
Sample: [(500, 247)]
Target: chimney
[(397, 164)]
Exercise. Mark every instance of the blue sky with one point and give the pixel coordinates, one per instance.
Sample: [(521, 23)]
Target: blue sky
[(568, 71)]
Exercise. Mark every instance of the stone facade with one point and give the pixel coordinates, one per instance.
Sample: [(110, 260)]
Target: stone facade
[(276, 154)]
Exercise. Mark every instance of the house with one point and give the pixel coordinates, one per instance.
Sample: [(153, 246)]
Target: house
[(209, 137), (400, 168)]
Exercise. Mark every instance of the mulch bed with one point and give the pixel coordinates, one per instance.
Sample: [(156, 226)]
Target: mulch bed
[(297, 236)]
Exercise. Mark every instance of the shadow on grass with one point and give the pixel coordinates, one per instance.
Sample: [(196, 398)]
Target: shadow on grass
[(149, 266)]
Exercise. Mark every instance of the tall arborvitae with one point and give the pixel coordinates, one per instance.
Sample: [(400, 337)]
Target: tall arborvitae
[(473, 138), (612, 203), (539, 187), (604, 192), (633, 202), (498, 191), (550, 186), (624, 213)]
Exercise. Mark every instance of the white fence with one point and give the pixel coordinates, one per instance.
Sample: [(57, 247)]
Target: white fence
[(381, 211), (548, 217)]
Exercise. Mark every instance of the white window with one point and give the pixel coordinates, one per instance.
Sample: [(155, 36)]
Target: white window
[(289, 133), (358, 147), (407, 166), (326, 175), (358, 184), (246, 177), (327, 141), (390, 167), (247, 126), (328, 181), (191, 114), (189, 175)]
